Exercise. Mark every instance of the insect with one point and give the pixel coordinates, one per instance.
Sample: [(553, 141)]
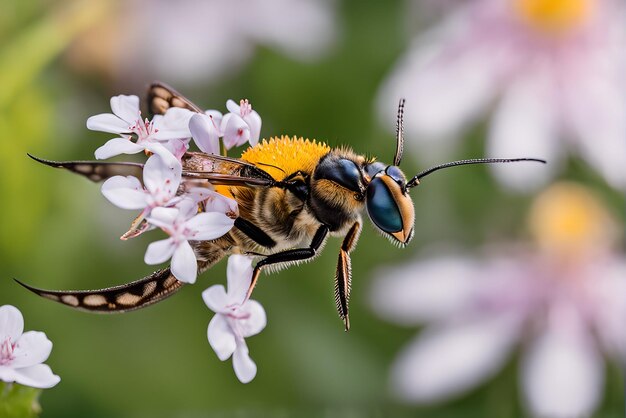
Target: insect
[(292, 195)]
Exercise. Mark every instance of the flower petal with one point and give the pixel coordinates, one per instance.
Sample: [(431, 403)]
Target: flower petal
[(11, 323), (161, 179), (233, 107), (117, 146), (32, 348), (209, 225), (174, 124), (245, 368), (215, 298), (425, 290), (221, 337), (37, 376), (216, 202), (446, 361), (256, 320), (107, 122), (184, 264), (562, 375), (239, 275), (216, 116), (160, 251), (126, 108), (254, 122), (124, 192), (524, 125), (205, 134), (236, 130), (163, 217)]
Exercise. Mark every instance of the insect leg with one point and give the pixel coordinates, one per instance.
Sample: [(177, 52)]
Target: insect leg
[(255, 233), (289, 255), (343, 276)]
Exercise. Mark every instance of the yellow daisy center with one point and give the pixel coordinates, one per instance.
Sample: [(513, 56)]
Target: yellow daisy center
[(554, 16), (569, 220)]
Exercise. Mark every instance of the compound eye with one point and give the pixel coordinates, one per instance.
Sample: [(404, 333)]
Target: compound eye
[(374, 168), (345, 173), (397, 175), (382, 208)]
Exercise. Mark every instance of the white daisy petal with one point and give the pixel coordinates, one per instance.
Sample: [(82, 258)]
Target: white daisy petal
[(117, 146), (524, 125), (11, 323), (221, 337), (562, 376), (245, 368), (160, 251), (184, 264), (446, 361)]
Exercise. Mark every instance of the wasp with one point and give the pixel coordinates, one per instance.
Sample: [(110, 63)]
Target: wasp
[(292, 195)]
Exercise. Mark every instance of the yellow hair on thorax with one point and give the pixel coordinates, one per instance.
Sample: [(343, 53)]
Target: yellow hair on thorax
[(282, 156)]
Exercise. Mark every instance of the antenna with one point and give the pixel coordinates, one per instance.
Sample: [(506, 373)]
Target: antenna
[(399, 134), (415, 180)]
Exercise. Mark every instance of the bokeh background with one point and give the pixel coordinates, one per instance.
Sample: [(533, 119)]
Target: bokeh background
[(311, 69)]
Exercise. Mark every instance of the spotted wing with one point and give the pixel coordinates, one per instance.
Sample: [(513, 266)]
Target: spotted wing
[(95, 170), (138, 294), (161, 97)]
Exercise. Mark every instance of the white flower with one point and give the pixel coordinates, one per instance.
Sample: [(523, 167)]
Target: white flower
[(161, 181), (235, 319), (22, 353), (565, 302), (241, 124), (205, 132), (165, 135), (183, 223), (555, 69)]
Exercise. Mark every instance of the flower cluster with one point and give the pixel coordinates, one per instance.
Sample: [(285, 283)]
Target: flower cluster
[(192, 211)]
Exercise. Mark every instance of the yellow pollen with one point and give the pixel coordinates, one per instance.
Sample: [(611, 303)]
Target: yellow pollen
[(554, 16), (568, 219)]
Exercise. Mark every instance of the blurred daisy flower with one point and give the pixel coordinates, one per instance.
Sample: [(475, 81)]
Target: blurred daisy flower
[(562, 299), (235, 318), (22, 353), (196, 40), (554, 68)]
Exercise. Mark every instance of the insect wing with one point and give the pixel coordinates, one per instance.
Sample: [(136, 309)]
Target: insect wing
[(161, 97), (95, 171)]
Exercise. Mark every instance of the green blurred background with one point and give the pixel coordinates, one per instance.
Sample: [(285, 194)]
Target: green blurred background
[(57, 231)]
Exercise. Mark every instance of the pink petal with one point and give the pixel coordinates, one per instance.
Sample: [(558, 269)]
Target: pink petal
[(160, 251), (215, 298), (239, 276), (126, 108), (254, 122), (184, 264), (426, 290), (37, 376), (446, 361), (11, 323), (233, 107), (107, 122), (216, 116), (221, 337), (177, 147), (32, 348), (160, 177), (204, 134), (209, 225), (117, 146), (245, 368), (256, 318), (562, 375), (124, 192), (236, 130), (525, 125)]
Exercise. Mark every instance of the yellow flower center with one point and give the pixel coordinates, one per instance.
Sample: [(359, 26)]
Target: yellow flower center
[(568, 219), (554, 16)]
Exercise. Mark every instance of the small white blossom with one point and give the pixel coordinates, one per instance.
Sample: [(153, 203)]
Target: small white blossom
[(240, 125), (205, 132), (22, 353), (235, 319), (165, 135), (183, 223), (161, 183)]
